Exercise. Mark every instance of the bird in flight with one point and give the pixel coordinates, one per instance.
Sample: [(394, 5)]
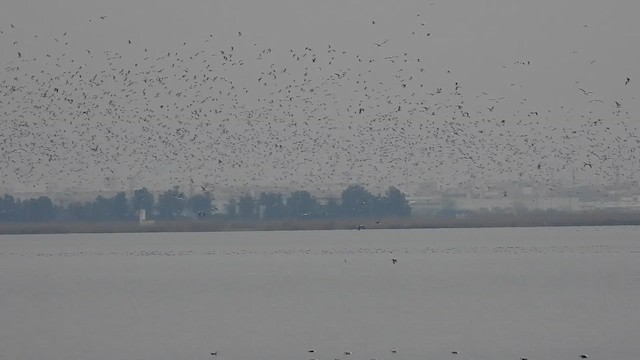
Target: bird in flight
[(627, 81), (382, 43), (587, 93)]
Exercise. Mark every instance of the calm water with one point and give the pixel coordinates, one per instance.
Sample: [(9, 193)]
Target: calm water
[(549, 293)]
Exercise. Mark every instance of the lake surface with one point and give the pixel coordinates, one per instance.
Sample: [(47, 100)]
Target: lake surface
[(536, 293)]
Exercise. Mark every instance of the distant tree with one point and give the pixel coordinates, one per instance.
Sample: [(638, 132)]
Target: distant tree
[(357, 202), (247, 207), (100, 209), (396, 204), (273, 205), (231, 208), (79, 212), (9, 211), (40, 209), (332, 209), (201, 205), (171, 203), (119, 207), (301, 205), (143, 199)]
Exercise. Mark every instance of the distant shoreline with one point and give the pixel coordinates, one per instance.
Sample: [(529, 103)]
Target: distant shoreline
[(475, 220)]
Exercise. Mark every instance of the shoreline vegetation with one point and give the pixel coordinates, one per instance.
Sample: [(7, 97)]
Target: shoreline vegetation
[(470, 220)]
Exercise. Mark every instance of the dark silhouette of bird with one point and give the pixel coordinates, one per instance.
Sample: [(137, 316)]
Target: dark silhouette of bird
[(587, 93), (382, 43)]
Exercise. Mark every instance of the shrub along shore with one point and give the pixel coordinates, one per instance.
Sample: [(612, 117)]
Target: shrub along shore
[(471, 220)]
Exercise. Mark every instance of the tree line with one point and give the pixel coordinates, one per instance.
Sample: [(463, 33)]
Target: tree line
[(354, 202)]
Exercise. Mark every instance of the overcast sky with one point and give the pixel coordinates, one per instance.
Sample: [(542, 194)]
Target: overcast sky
[(521, 84)]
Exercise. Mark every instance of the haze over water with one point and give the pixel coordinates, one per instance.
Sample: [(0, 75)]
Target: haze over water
[(544, 293)]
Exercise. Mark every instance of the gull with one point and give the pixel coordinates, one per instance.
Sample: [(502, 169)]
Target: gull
[(583, 356), (382, 43), (587, 93), (627, 82)]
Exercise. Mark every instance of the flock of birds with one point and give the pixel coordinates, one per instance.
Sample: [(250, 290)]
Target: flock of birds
[(243, 115), (395, 351)]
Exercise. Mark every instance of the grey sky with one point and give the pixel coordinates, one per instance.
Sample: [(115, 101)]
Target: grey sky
[(537, 55)]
